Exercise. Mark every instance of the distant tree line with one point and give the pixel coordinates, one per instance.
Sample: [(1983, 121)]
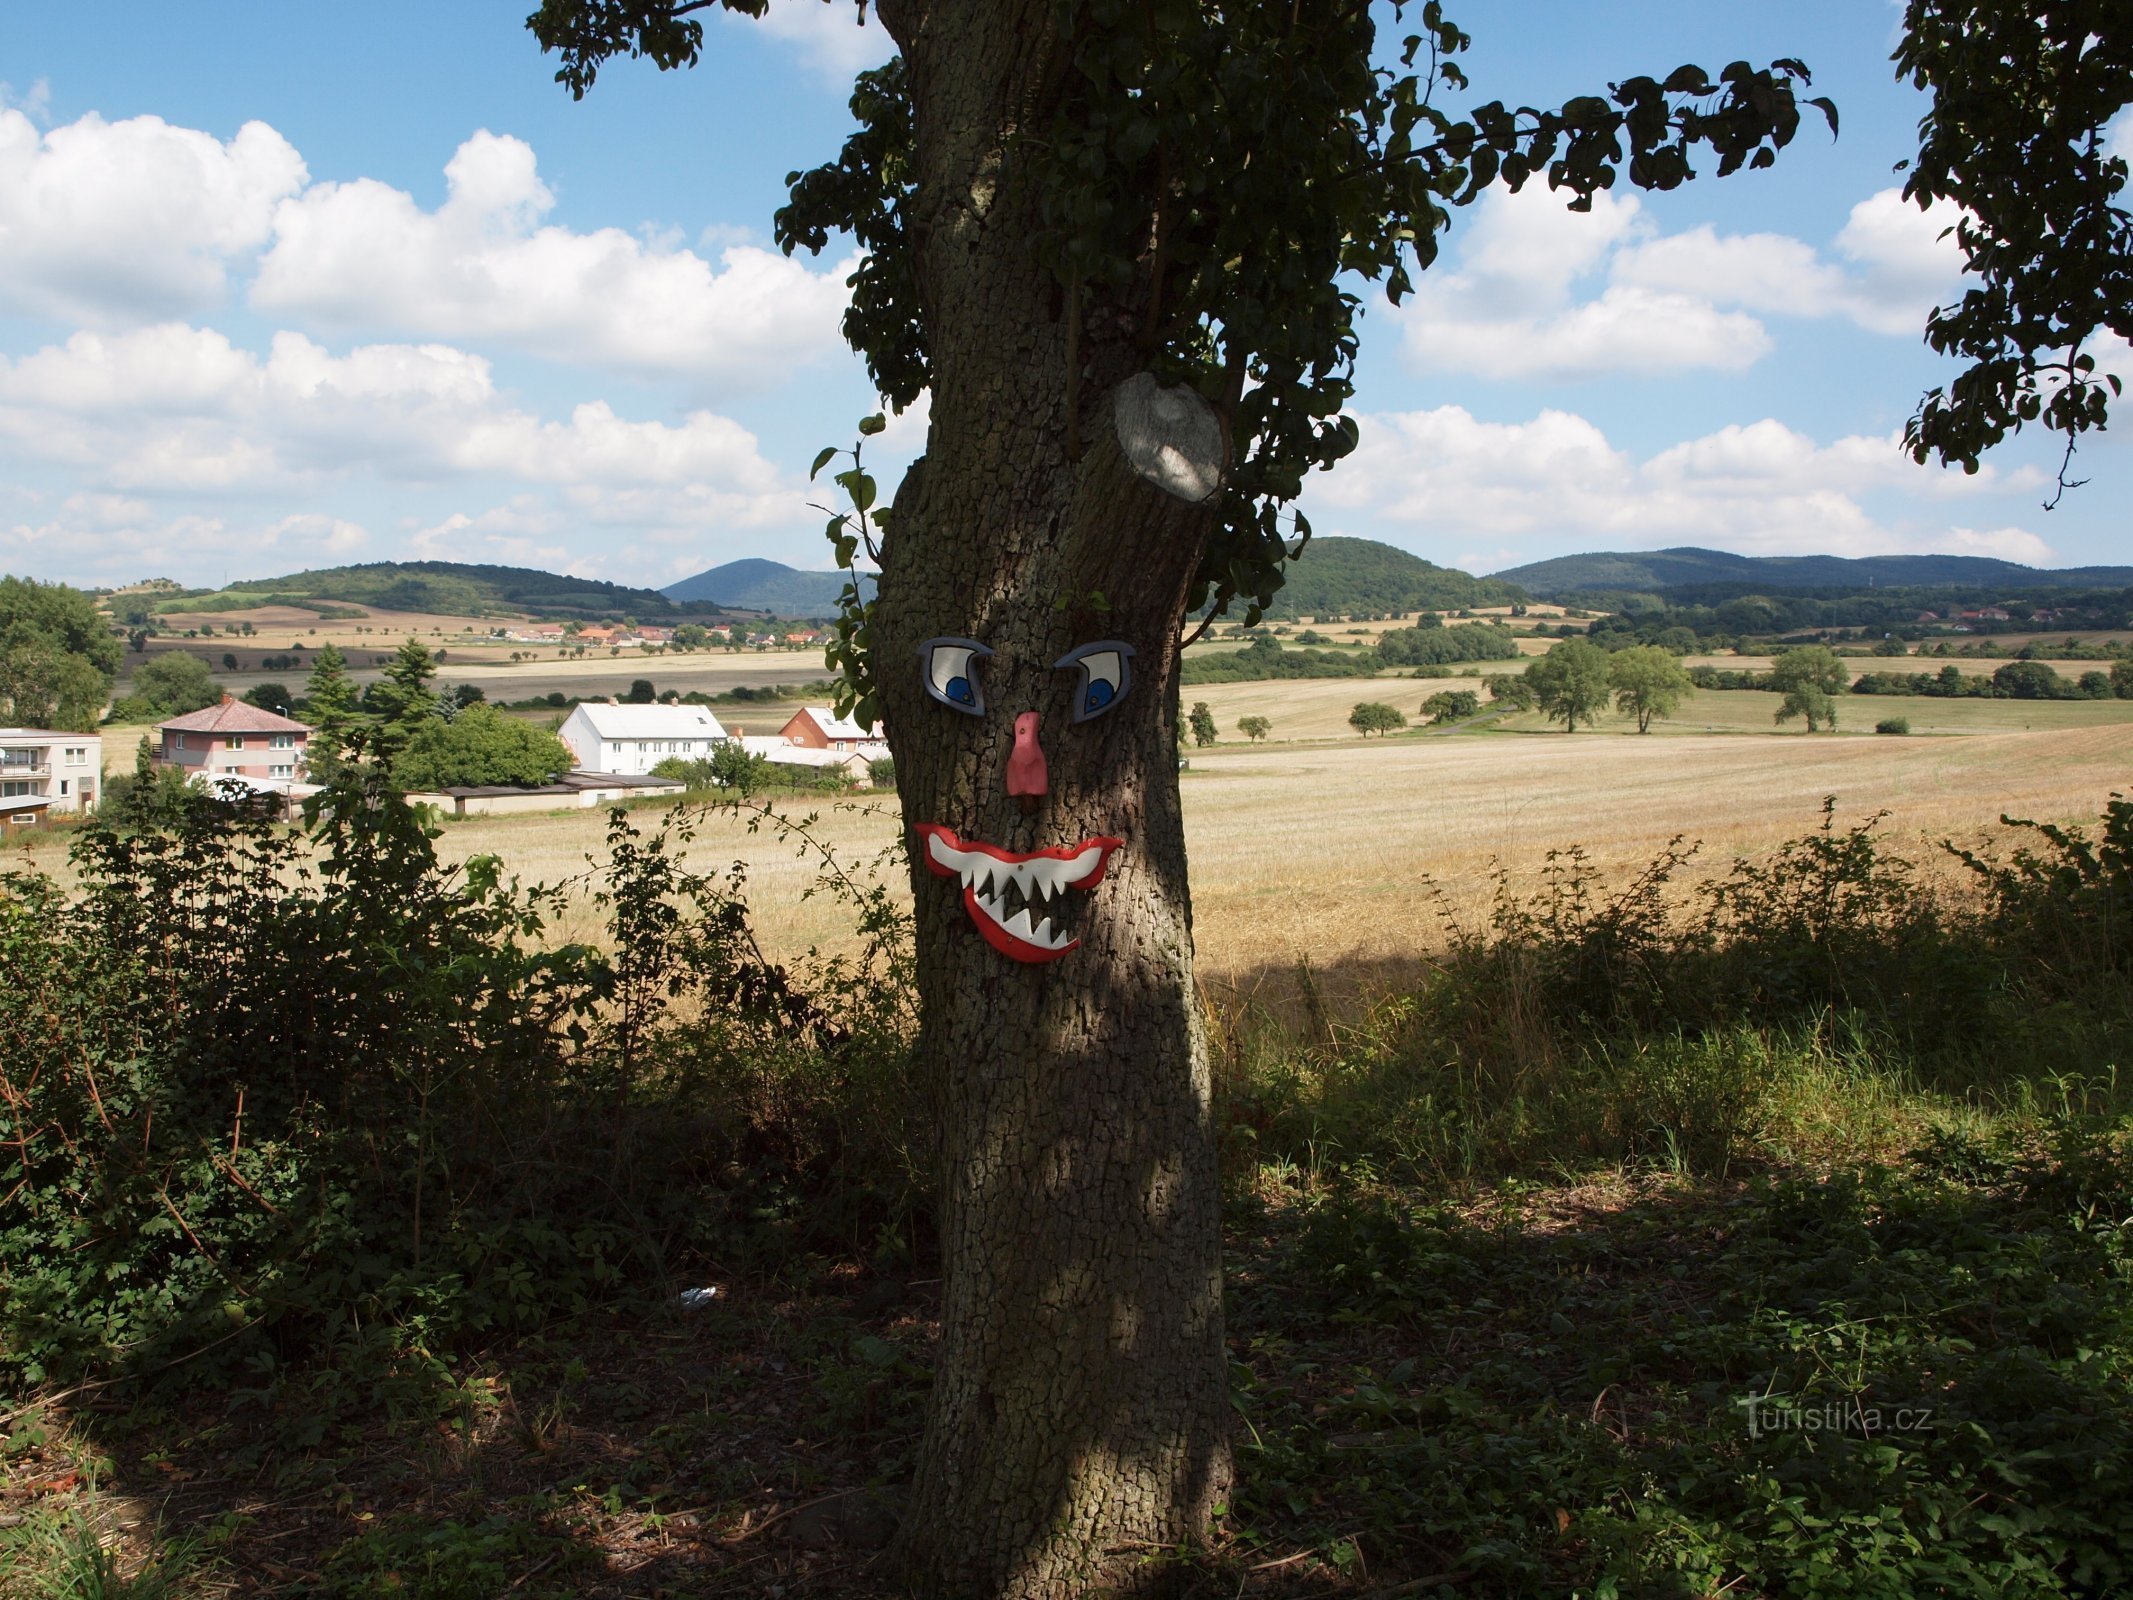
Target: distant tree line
[(1717, 618), (2013, 680), (1426, 645)]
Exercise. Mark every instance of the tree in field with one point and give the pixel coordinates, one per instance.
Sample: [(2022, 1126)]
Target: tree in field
[(1450, 705), (1648, 682), (270, 696), (2122, 677), (1203, 724), (1815, 665), (1254, 728), (2030, 680), (1570, 683), (2022, 97), (332, 712), (172, 684), (480, 745), (1512, 690), (1116, 241), (1810, 677), (1374, 716), (57, 657)]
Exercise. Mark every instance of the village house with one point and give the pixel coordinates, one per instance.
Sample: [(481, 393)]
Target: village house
[(856, 765), (42, 771), (237, 739), (635, 739), (820, 728)]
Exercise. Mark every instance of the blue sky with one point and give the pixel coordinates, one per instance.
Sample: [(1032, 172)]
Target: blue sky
[(288, 285)]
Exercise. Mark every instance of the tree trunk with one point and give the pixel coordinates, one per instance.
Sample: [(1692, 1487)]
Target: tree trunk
[(1080, 1400)]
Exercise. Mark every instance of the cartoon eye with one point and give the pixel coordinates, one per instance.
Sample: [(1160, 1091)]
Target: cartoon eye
[(949, 670), (1106, 674)]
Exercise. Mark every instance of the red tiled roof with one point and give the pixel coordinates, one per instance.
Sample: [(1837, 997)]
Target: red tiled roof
[(233, 716)]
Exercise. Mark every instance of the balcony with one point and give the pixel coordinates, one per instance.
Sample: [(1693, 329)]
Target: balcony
[(24, 769)]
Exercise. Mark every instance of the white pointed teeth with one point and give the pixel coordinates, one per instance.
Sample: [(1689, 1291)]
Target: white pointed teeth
[(1041, 880)]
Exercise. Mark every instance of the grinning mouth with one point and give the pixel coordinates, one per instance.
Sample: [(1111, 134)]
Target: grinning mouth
[(1014, 899)]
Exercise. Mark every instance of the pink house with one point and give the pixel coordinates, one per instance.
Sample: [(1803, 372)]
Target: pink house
[(235, 737)]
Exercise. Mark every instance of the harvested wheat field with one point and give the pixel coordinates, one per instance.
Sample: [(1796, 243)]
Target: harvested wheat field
[(1327, 854)]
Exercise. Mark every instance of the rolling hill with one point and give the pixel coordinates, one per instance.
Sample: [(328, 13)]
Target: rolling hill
[(1362, 575), (758, 585), (1686, 567), (452, 587)]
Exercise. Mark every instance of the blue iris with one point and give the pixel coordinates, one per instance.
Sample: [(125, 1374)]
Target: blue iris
[(959, 691), (1098, 697)]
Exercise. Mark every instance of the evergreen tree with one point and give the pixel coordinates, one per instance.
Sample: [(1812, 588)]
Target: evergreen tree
[(333, 713), (404, 698)]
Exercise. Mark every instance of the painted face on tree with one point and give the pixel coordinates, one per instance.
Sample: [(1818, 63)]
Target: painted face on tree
[(1017, 900)]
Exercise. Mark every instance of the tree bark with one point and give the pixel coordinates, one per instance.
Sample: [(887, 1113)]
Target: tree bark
[(1080, 1401)]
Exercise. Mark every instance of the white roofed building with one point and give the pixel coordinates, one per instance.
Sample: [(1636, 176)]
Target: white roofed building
[(632, 740)]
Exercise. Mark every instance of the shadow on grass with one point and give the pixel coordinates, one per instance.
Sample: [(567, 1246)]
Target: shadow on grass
[(1913, 1376)]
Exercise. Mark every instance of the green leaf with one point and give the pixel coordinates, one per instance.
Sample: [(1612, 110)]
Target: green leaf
[(869, 426), (823, 457)]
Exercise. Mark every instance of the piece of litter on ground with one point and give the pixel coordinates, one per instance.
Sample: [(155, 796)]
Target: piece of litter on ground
[(696, 1299)]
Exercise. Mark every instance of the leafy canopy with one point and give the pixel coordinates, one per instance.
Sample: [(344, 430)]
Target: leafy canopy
[(1374, 716), (480, 745), (1570, 683), (1649, 682), (1215, 183), (57, 656), (2022, 95)]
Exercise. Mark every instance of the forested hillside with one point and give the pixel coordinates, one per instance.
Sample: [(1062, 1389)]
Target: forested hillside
[(453, 587), (1346, 576), (1687, 566)]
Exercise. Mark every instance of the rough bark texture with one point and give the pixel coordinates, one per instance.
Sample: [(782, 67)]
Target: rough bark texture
[(1080, 1401)]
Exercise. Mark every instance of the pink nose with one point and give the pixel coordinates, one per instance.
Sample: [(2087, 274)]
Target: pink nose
[(1026, 772)]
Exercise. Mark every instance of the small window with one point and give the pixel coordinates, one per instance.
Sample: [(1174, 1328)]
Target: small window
[(77, 755), (63, 786), (281, 741), (281, 772), (234, 742)]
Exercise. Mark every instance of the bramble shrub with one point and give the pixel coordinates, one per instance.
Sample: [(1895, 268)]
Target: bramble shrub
[(269, 1092)]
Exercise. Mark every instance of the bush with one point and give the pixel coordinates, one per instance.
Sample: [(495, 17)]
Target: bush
[(1895, 725), (1450, 705), (259, 1114)]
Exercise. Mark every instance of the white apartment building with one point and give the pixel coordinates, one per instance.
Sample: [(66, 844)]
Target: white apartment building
[(63, 770), (632, 740)]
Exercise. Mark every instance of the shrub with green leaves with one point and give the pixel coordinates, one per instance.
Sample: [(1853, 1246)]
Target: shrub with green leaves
[(271, 1094)]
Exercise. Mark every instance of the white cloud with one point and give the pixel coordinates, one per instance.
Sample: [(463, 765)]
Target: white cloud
[(35, 102), (334, 536), (481, 267), (113, 223), (830, 36), (2009, 544), (91, 538), (1763, 488), (176, 408), (1512, 306), (1905, 262)]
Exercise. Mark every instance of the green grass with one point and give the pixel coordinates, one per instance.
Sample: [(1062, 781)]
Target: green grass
[(1765, 1241)]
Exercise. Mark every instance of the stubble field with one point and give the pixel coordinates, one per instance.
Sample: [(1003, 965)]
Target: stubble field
[(1351, 855)]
